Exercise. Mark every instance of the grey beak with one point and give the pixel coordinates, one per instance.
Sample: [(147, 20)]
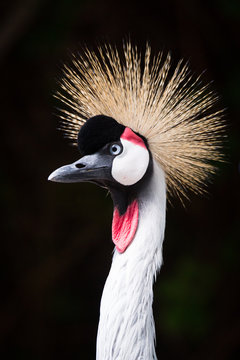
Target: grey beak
[(89, 168)]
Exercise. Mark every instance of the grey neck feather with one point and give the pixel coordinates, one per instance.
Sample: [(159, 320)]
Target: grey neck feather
[(126, 326)]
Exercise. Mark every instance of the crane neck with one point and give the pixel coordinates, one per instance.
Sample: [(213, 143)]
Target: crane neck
[(126, 326)]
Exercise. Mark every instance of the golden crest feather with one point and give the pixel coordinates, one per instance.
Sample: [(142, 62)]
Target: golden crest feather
[(171, 109)]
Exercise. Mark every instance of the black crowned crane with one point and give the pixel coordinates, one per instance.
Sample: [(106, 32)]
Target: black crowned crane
[(144, 130)]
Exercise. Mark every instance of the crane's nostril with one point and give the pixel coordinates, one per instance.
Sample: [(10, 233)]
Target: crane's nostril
[(79, 166)]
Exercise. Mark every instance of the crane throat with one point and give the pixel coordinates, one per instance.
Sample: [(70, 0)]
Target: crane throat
[(125, 226)]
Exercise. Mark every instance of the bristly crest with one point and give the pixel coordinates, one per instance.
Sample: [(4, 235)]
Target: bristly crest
[(171, 109)]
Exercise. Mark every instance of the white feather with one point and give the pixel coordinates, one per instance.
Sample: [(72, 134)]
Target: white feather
[(123, 170), (126, 327)]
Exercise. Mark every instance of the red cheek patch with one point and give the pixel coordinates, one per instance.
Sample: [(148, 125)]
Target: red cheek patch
[(124, 226), (129, 135)]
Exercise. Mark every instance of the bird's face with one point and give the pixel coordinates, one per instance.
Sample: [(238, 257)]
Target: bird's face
[(113, 156), (117, 158)]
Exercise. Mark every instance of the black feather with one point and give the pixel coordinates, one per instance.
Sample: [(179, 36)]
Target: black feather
[(97, 132)]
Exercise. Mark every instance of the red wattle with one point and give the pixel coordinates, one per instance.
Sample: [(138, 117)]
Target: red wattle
[(124, 226)]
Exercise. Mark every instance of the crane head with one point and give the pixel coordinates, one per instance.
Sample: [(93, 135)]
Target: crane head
[(151, 115), (112, 155), (117, 158)]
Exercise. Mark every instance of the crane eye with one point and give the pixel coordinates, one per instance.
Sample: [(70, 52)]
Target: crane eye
[(115, 149)]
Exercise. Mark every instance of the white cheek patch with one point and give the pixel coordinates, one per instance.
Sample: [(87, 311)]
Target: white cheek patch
[(130, 166)]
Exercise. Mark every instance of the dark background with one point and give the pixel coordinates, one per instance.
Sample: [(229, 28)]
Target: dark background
[(55, 243)]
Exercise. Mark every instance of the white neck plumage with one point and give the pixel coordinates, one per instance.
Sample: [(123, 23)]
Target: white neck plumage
[(126, 327)]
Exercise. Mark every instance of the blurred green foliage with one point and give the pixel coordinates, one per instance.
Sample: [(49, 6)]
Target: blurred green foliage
[(187, 296)]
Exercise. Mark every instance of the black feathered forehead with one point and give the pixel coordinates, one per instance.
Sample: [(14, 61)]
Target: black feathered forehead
[(97, 132)]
